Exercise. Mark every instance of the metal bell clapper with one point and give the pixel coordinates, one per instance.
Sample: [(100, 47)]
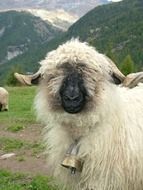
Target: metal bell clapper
[(71, 161)]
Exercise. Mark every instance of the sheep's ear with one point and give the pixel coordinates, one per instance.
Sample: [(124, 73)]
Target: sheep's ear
[(132, 80), (28, 79), (115, 73)]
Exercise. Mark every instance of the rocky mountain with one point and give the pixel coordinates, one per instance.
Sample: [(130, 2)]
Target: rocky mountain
[(23, 31), (20, 31), (79, 7), (58, 18)]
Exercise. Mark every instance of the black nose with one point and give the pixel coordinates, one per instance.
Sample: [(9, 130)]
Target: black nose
[(73, 104), (73, 99), (73, 93)]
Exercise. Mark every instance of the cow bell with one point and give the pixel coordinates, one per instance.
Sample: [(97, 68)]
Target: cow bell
[(71, 160)]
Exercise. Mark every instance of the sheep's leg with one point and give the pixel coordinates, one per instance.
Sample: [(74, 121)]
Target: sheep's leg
[(4, 107)]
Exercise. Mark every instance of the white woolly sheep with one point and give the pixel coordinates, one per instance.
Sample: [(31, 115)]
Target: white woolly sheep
[(3, 99), (94, 125)]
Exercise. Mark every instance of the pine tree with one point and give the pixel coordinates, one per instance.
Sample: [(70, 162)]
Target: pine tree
[(127, 65)]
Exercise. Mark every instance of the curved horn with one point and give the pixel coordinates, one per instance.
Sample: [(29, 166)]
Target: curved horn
[(133, 79), (116, 73), (28, 79), (130, 81)]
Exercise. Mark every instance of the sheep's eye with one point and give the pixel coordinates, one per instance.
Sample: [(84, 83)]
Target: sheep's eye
[(115, 79)]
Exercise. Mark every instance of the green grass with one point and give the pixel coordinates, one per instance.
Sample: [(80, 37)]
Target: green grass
[(18, 181), (7, 144), (20, 112), (15, 128), (19, 116), (37, 148), (12, 144)]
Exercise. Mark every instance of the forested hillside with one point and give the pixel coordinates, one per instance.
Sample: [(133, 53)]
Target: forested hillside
[(21, 30), (21, 34), (115, 29)]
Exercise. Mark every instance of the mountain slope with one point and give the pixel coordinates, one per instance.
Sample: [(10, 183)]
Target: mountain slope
[(58, 18), (114, 29), (21, 34), (20, 31)]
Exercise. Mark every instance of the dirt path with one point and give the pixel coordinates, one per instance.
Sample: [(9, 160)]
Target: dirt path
[(29, 158)]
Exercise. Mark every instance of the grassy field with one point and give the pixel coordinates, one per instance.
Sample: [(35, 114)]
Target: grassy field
[(20, 134), (20, 106), (18, 181)]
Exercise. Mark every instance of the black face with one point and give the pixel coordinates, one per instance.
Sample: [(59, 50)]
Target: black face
[(73, 93)]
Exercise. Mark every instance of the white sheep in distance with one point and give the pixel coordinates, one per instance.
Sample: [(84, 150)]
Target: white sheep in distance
[(4, 95), (94, 125)]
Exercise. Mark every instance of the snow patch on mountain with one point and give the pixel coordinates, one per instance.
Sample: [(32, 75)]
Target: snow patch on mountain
[(58, 18)]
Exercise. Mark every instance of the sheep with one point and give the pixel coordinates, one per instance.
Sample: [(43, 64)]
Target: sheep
[(4, 95), (93, 121)]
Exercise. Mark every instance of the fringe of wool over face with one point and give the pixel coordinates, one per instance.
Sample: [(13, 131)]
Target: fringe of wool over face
[(102, 116)]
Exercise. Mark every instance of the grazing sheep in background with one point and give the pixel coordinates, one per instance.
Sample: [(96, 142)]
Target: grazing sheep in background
[(94, 125), (3, 99)]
